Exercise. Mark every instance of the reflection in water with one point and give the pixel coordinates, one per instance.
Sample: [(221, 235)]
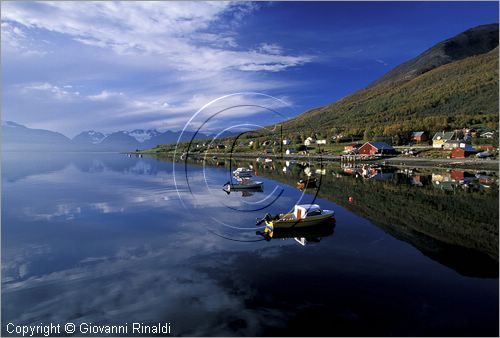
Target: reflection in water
[(105, 238), (303, 235)]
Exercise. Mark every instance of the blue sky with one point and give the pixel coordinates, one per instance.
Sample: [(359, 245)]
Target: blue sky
[(73, 66)]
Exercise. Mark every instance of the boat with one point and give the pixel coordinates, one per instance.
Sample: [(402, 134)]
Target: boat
[(303, 215), (483, 154), (307, 183), (259, 159), (268, 160), (242, 172), (243, 185)]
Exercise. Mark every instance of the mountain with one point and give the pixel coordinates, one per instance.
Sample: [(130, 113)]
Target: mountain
[(119, 141), (451, 85), (18, 137), (142, 135), (474, 41), (88, 137)]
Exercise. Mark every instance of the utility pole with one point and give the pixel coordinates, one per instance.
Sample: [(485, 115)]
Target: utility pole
[(281, 143)]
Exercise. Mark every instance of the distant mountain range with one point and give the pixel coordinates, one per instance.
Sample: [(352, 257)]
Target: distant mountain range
[(453, 84), (18, 137)]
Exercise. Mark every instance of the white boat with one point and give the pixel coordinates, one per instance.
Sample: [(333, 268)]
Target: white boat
[(303, 215), (267, 160), (242, 172), (483, 154)]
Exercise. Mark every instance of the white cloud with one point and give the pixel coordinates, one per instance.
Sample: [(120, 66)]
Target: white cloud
[(271, 48), (56, 91), (135, 64), (172, 30), (104, 95)]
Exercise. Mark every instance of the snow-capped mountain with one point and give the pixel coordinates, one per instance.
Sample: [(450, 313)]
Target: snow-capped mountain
[(89, 137), (142, 135), (16, 136)]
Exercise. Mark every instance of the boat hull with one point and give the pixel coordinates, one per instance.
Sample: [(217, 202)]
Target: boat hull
[(305, 222)]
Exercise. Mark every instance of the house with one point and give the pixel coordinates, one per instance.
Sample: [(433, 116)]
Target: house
[(373, 148), (320, 141), (290, 151), (309, 141), (488, 134), (353, 147), (250, 143), (462, 152), (286, 142), (418, 136), (441, 137)]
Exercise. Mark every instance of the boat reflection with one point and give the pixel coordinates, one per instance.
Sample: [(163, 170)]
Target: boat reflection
[(302, 235), (244, 192)]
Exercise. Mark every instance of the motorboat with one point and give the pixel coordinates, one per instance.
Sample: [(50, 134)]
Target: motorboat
[(268, 160), (303, 215), (242, 172)]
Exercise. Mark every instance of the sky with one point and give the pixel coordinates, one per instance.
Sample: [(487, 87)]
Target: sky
[(108, 66)]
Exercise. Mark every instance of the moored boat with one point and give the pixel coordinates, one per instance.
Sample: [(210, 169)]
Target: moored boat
[(303, 215), (242, 172)]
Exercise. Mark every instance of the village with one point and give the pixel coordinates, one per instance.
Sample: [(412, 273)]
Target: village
[(455, 144)]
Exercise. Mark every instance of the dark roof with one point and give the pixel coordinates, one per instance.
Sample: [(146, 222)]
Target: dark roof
[(381, 145), (445, 135)]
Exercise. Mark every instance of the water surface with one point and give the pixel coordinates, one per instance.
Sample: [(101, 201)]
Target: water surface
[(109, 239)]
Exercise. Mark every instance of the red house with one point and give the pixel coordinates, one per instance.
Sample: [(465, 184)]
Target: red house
[(373, 148), (418, 136), (461, 152)]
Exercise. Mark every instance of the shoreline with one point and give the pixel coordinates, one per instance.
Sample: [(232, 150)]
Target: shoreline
[(414, 162)]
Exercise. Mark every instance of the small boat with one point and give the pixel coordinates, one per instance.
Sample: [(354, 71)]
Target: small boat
[(243, 185), (307, 183), (303, 215), (483, 154), (242, 172), (268, 160)]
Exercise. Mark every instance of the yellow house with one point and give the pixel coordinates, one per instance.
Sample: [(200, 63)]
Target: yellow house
[(440, 138)]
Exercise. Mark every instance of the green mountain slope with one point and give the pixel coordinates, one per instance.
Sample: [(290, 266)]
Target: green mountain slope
[(451, 95)]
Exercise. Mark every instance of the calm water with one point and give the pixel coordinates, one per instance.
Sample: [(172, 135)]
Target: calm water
[(108, 239)]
